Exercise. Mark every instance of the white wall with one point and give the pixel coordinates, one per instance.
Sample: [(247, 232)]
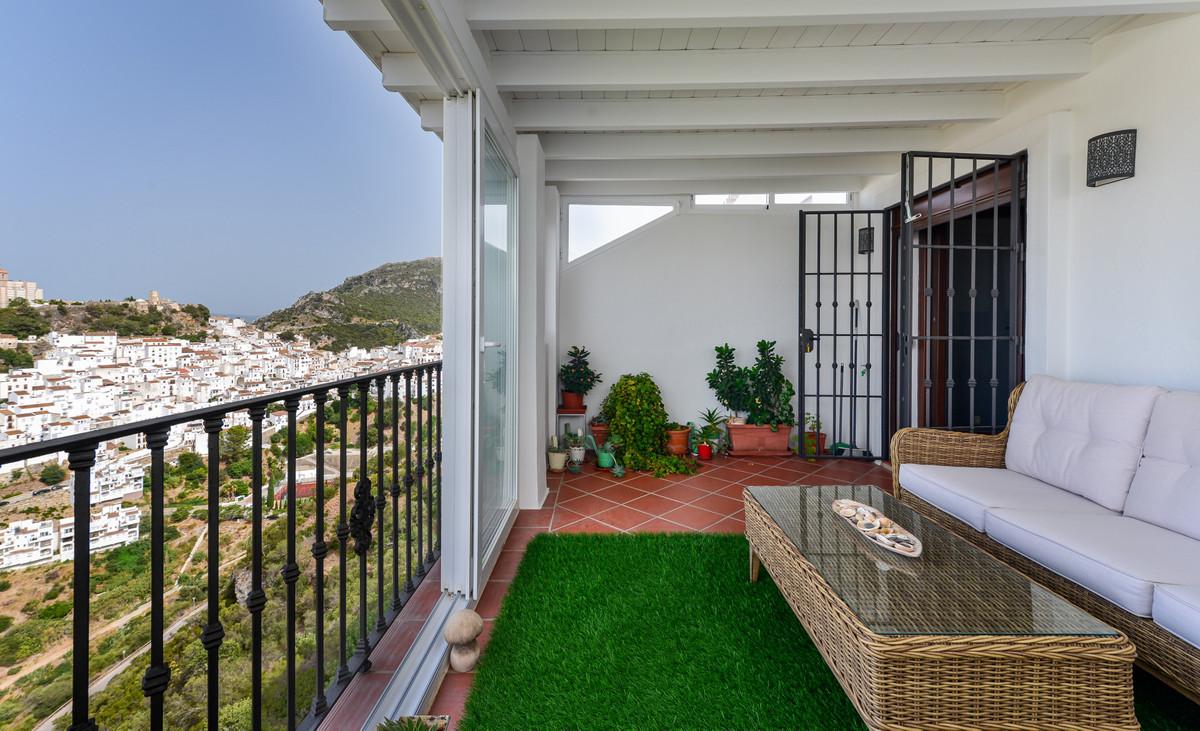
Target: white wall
[(1111, 270), (660, 301), (531, 308)]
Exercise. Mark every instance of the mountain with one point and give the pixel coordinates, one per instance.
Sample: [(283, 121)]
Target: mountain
[(384, 306)]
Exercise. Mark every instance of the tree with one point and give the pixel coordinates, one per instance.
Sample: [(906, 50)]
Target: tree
[(235, 444), (52, 474), (22, 320), (10, 358)]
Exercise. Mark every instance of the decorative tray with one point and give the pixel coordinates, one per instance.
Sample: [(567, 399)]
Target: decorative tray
[(878, 528)]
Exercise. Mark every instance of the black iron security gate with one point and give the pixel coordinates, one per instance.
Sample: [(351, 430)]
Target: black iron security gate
[(844, 334), (960, 289)]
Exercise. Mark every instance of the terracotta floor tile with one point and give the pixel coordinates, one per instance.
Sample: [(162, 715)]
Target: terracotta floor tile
[(355, 704), (391, 649), (785, 473), (534, 518), (732, 491), (682, 492), (619, 493), (733, 474), (493, 595), (507, 564), (799, 466), (847, 470), (564, 517), (588, 483), (660, 525), (649, 483), (420, 604), (587, 505), (654, 504), (486, 634), (718, 504), (692, 517), (567, 492), (587, 525), (728, 525), (452, 696), (767, 480), (519, 538), (622, 517), (708, 482)]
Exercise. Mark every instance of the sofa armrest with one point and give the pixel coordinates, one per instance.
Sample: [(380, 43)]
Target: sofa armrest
[(935, 446)]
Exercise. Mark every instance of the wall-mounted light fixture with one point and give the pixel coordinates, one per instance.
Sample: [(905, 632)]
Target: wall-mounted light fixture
[(1111, 157)]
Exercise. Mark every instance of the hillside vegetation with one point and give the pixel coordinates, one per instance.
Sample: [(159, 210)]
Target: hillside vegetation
[(382, 307)]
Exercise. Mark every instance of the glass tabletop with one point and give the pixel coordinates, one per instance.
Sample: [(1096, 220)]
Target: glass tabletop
[(952, 588)]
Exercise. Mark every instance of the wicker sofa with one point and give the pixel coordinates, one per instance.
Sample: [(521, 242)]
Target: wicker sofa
[(1091, 490)]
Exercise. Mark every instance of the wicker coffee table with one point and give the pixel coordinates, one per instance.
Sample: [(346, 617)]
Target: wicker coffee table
[(949, 641)]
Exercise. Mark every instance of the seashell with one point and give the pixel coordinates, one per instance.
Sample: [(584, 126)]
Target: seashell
[(868, 525), (885, 522), (847, 512)]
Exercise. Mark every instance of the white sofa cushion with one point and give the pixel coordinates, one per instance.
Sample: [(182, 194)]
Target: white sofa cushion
[(1117, 557), (967, 492), (1083, 437), (1177, 609), (1166, 488)]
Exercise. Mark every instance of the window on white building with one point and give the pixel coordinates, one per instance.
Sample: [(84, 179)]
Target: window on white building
[(730, 199), (590, 226), (816, 199)]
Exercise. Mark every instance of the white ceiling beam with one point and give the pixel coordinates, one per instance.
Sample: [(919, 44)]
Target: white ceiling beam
[(432, 115), (404, 73), (755, 112), (947, 63), (358, 15), (560, 14), (668, 145), (721, 169), (806, 184)]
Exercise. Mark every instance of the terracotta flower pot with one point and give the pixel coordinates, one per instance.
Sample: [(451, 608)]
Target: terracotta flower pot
[(572, 400), (600, 434), (814, 444), (704, 451), (677, 440), (759, 440)]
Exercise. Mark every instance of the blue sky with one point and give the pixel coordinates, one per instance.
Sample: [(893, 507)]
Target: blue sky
[(236, 153)]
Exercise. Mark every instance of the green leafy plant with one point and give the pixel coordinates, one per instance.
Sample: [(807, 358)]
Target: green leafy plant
[(729, 381), (812, 423), (638, 419), (414, 723), (713, 431), (576, 375), (571, 439), (770, 390)]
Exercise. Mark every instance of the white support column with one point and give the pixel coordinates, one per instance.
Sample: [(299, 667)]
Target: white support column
[(458, 303), (551, 243), (531, 368)]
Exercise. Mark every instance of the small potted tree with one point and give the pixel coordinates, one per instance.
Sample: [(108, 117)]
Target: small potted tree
[(814, 438), (764, 393), (577, 378)]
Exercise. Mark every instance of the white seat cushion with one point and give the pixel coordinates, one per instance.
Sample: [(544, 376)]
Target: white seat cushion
[(1177, 609), (1166, 488), (1117, 557), (967, 492), (1085, 438)]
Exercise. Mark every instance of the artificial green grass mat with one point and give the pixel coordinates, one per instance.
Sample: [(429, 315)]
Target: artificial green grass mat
[(665, 632)]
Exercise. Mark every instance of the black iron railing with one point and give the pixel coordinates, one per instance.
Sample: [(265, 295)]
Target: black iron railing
[(360, 526)]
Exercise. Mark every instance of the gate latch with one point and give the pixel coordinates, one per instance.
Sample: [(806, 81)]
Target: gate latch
[(807, 338)]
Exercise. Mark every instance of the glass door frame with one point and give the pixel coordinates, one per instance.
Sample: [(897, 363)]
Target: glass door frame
[(483, 557)]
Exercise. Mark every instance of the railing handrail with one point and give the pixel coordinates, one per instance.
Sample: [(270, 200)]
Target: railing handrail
[(97, 436)]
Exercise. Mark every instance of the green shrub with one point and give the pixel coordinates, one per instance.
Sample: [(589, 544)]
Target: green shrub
[(638, 419), (5, 584), (57, 610), (5, 622)]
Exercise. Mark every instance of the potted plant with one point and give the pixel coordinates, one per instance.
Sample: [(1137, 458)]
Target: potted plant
[(713, 432), (814, 438), (576, 377), (556, 455), (677, 438), (764, 392), (704, 440), (636, 416), (575, 446), (599, 427)]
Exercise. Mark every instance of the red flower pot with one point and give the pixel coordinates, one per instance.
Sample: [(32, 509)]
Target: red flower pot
[(750, 440), (677, 440), (704, 451), (572, 400)]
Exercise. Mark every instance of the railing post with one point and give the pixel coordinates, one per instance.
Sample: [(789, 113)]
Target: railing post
[(343, 530), (437, 458), (380, 506), (395, 492), (214, 632), (361, 518), (420, 479), (319, 551), (290, 571), (429, 556), (257, 599), (408, 483), (81, 461), (158, 675)]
